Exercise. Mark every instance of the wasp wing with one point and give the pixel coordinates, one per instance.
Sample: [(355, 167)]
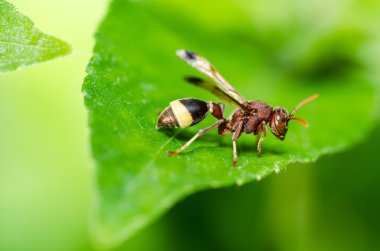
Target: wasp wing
[(211, 87), (220, 86)]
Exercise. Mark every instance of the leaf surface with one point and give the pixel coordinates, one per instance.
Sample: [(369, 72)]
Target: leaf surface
[(134, 73), (22, 44)]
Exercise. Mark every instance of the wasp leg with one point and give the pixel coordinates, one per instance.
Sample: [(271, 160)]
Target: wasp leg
[(234, 152), (264, 134), (200, 133), (235, 135)]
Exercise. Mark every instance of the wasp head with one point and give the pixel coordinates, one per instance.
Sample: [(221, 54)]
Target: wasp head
[(279, 122), (279, 118)]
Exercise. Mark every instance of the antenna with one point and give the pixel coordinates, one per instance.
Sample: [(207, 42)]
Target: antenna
[(304, 102)]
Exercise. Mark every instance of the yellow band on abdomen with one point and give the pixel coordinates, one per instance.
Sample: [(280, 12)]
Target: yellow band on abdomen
[(181, 113)]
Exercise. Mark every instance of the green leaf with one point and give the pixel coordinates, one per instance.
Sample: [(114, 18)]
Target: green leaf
[(134, 73), (22, 44)]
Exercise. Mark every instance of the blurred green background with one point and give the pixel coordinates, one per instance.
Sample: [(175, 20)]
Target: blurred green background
[(45, 175), (45, 171)]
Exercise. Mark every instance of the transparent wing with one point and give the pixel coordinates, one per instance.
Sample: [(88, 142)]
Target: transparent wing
[(211, 87), (220, 86)]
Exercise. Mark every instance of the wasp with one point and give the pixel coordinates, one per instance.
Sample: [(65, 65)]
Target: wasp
[(249, 116)]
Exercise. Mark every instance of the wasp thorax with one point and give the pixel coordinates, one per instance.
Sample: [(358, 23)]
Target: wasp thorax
[(279, 122)]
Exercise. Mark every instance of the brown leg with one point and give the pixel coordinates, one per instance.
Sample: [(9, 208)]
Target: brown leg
[(235, 136), (264, 131), (200, 133)]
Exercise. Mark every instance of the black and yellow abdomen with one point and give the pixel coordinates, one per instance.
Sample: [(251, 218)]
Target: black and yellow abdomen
[(183, 113)]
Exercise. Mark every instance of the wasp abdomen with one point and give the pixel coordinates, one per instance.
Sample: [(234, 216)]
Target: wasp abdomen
[(167, 119), (183, 113)]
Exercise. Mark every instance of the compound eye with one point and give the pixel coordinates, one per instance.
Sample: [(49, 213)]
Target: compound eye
[(280, 124), (278, 120), (274, 124)]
